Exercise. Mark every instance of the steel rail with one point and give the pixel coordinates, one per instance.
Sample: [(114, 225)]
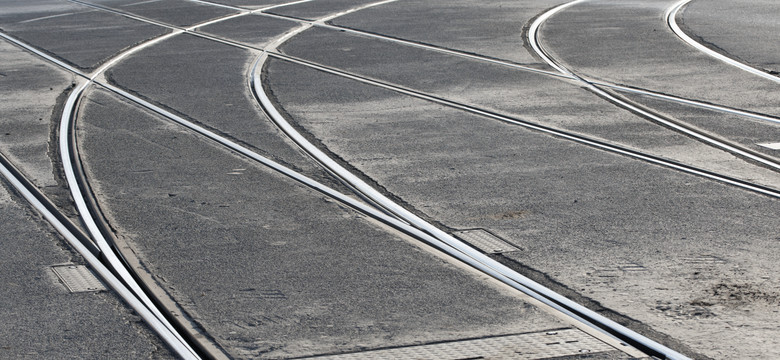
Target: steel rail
[(463, 54), (602, 145), (348, 201), (416, 44), (103, 247), (455, 247), (191, 31), (271, 51), (691, 102), (533, 37), (588, 141), (537, 294), (448, 243), (671, 20), (28, 191), (69, 157)]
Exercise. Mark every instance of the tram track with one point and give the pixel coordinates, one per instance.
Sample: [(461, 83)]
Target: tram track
[(375, 213), (82, 244), (670, 17), (450, 245), (421, 230), (560, 73), (736, 149), (477, 57), (116, 272), (441, 240), (679, 126)]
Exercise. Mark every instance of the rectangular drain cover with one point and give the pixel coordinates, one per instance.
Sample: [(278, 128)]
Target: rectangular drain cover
[(486, 241), (540, 345), (77, 278)]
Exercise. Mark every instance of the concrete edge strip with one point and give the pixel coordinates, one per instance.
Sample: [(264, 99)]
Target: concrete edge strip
[(671, 20)]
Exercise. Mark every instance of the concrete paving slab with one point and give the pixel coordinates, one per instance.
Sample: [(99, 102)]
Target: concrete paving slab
[(671, 254), (208, 82), (80, 36), (251, 30), (525, 95), (745, 30), (631, 45), (41, 318), (495, 28), (270, 268), (174, 12)]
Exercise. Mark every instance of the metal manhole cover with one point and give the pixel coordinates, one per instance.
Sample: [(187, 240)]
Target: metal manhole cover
[(485, 241), (77, 278)]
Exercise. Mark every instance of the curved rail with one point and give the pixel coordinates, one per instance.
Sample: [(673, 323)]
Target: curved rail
[(400, 225), (30, 193), (449, 243), (68, 157), (533, 37), (368, 210), (424, 235), (671, 19)]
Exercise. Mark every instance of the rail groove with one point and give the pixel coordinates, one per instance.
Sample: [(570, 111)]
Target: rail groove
[(671, 20), (679, 126), (411, 224)]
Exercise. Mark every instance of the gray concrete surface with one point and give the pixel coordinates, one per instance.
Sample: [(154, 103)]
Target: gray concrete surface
[(529, 96), (41, 318), (65, 33), (660, 247), (745, 30), (30, 89), (491, 28), (268, 267)]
